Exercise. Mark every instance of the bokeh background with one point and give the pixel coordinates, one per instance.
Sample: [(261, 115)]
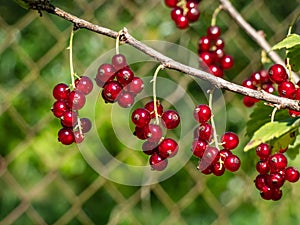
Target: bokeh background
[(44, 182)]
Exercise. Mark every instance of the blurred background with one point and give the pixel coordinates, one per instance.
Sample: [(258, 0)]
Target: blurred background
[(44, 182)]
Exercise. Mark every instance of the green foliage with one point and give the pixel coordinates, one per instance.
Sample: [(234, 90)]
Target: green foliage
[(292, 44), (279, 133)]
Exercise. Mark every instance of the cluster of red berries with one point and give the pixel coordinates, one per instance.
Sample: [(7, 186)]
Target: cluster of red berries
[(66, 107), (276, 76), (156, 145), (273, 172), (211, 52), (213, 160), (118, 82), (184, 12)]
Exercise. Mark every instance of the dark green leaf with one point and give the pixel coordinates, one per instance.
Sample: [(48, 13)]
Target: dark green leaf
[(289, 42), (262, 115), (293, 150), (294, 56)]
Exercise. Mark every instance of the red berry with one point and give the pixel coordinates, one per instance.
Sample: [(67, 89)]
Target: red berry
[(140, 117), (124, 76), (219, 43), (157, 162), (171, 3), (182, 22), (286, 89), (227, 62), (125, 99), (171, 119), (198, 148), (84, 84), (193, 14), (119, 61), (61, 91), (204, 44), (216, 71), (268, 87), (263, 151), (175, 13), (210, 156), (58, 108), (141, 132), (85, 124), (249, 101), (218, 169), (202, 113), (69, 118), (111, 90), (66, 136), (261, 181), (205, 132), (262, 167), (275, 180), (149, 147), (255, 78), (213, 32), (232, 163), (249, 84), (106, 72), (135, 86), (277, 73), (78, 137), (207, 58), (229, 140), (168, 148), (224, 153), (292, 174), (150, 107), (76, 100), (155, 133), (277, 162)]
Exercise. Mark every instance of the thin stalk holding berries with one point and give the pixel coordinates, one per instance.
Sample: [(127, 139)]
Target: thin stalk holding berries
[(70, 48), (215, 136), (160, 67), (215, 14)]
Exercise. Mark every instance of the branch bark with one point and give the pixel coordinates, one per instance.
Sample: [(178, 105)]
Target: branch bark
[(172, 64)]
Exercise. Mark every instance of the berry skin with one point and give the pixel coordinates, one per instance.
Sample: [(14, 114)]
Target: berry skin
[(61, 91), (261, 181), (149, 147), (204, 44), (249, 84), (262, 167), (202, 113), (78, 137), (119, 61), (287, 89), (210, 157), (171, 3), (66, 136), (106, 72), (216, 71), (76, 100), (232, 163), (150, 107), (218, 169), (155, 133), (275, 180), (111, 90), (205, 132), (224, 154), (141, 132), (171, 119), (229, 140), (277, 162), (277, 73), (213, 32), (140, 117), (85, 124), (176, 12), (199, 147), (182, 22), (263, 151), (207, 58), (168, 148), (135, 86), (84, 84), (157, 162), (193, 14), (227, 62), (58, 108), (292, 174), (125, 76), (219, 43), (125, 99), (249, 101), (69, 118)]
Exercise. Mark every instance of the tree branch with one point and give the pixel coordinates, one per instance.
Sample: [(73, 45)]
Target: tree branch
[(172, 64)]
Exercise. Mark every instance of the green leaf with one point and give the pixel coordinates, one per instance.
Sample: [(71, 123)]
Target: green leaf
[(294, 56), (288, 42), (272, 131), (23, 4), (262, 115), (284, 141), (293, 150)]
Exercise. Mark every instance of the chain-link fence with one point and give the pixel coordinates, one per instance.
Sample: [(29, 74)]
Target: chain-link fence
[(43, 182)]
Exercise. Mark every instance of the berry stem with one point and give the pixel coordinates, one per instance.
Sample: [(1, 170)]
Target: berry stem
[(276, 107), (118, 42), (215, 14), (212, 118), (182, 4), (71, 59), (160, 67)]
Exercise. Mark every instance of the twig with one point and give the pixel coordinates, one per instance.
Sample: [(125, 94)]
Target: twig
[(172, 64)]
